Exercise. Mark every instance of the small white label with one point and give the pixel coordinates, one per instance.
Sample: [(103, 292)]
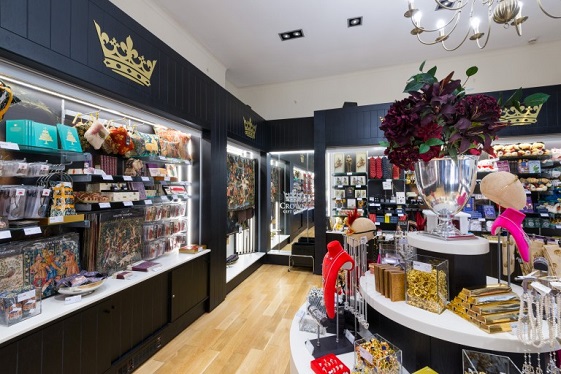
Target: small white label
[(46, 192), (72, 299), (365, 355), (107, 177), (105, 205), (358, 186), (147, 202), (5, 234), (145, 179), (156, 268), (377, 223), (167, 179), (422, 266), (310, 347), (127, 203), (387, 185), (558, 226), (32, 230), (22, 166), (7, 145), (544, 214), (26, 295), (481, 219), (350, 337), (127, 178), (400, 215), (340, 186), (44, 167), (58, 219), (349, 173), (20, 191)]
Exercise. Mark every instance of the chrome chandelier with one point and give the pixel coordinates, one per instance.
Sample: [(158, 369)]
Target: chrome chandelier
[(505, 12)]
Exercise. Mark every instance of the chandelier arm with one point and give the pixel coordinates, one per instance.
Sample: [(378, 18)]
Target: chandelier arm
[(454, 19), (543, 10), (456, 47), (486, 39), (426, 43), (462, 4)]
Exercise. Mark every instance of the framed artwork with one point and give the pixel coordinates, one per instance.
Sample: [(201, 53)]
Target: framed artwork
[(358, 180), (351, 203), (349, 192), (340, 181), (339, 194), (338, 163), (360, 194), (361, 161), (11, 268), (349, 163)]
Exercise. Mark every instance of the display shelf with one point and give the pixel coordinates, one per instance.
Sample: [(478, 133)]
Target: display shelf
[(98, 178), (54, 307), (65, 156), (530, 157), (166, 160), (96, 207), (35, 227), (446, 326), (467, 247), (352, 174)]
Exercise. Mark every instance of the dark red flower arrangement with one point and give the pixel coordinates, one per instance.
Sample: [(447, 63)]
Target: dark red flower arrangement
[(438, 119)]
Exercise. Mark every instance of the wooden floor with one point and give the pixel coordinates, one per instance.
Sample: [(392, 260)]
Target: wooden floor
[(247, 333)]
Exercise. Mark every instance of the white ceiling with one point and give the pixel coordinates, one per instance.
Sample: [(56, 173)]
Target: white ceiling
[(244, 35)]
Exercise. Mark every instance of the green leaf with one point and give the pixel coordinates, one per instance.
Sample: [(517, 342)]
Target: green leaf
[(434, 141), (472, 71), (423, 148), (432, 71), (422, 66), (514, 99), (536, 99), (384, 143), (453, 152)]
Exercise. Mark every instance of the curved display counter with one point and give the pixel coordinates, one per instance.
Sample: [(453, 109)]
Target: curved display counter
[(432, 337)]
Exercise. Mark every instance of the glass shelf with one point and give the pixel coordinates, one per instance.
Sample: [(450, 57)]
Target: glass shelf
[(66, 156)]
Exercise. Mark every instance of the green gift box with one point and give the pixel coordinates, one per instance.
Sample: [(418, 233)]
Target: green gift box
[(69, 139), (44, 136), (19, 131)]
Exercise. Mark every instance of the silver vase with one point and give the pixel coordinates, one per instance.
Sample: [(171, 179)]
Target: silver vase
[(446, 184)]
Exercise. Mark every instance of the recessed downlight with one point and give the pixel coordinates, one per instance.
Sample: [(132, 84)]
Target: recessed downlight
[(294, 34), (356, 21)]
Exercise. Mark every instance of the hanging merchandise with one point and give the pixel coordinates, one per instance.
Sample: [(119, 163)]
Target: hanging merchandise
[(241, 182), (63, 199)]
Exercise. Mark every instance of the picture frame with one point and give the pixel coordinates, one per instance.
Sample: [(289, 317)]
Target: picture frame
[(340, 181), (361, 162), (338, 166)]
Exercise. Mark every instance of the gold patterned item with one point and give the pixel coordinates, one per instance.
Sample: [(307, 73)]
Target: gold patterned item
[(484, 291), (427, 283), (250, 128), (377, 355)]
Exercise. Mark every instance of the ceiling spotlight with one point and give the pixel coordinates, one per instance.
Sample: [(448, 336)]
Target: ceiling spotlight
[(356, 21), (291, 34)]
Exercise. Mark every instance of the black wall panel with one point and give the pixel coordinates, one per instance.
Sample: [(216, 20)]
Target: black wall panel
[(291, 134)]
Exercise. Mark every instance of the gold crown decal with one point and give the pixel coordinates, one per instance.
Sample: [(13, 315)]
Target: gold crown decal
[(123, 59), (527, 116), (250, 128)]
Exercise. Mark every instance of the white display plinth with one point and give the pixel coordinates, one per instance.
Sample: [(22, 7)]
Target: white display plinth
[(465, 247)]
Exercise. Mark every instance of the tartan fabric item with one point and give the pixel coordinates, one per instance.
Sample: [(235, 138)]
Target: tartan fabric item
[(371, 168)]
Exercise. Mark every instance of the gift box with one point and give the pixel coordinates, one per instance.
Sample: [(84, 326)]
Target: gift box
[(17, 306), (43, 135), (427, 283), (69, 139), (18, 131), (377, 355)]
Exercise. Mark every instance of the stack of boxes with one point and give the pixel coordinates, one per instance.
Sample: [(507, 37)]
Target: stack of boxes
[(389, 280)]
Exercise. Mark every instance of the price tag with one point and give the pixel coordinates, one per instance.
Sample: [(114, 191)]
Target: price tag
[(528, 192), (145, 179), (340, 186), (105, 205), (22, 166), (558, 226), (421, 266), (387, 184), (349, 173), (162, 158), (26, 295), (107, 177), (167, 179), (400, 214), (44, 167), (310, 347), (5, 234), (377, 223), (544, 214), (8, 145), (58, 219), (147, 202), (127, 178), (365, 355), (32, 230), (20, 192), (127, 203), (481, 219), (72, 299), (46, 192)]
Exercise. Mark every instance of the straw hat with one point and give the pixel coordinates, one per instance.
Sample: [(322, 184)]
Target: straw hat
[(505, 189)]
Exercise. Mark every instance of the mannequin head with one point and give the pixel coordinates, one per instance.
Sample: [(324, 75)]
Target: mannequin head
[(359, 227), (504, 189)]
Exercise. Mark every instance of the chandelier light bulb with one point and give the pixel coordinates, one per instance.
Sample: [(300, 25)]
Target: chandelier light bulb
[(417, 18), (475, 24), (440, 26)]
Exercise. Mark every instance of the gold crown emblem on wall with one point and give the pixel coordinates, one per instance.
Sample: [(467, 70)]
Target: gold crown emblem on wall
[(526, 116), (250, 128), (123, 59)]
